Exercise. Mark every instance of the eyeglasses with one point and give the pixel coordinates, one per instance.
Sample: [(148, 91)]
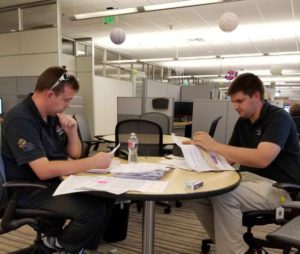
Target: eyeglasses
[(63, 77)]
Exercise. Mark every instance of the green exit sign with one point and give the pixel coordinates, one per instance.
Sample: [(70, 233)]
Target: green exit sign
[(109, 20)]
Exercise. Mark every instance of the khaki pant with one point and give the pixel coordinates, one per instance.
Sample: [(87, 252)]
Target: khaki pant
[(221, 216)]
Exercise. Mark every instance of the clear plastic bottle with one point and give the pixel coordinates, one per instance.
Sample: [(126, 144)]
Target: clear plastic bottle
[(132, 148)]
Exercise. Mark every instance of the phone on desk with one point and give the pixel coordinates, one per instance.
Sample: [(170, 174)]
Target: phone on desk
[(123, 154)]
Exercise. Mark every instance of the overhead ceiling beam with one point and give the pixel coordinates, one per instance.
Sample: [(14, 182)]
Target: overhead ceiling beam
[(26, 5), (146, 8)]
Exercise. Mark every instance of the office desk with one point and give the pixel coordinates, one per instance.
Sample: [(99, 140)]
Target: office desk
[(214, 184), (167, 139)]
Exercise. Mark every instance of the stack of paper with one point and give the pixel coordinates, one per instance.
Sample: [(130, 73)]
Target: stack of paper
[(201, 160), (141, 170)]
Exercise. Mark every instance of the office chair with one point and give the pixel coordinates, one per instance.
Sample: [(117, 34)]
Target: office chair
[(89, 144), (164, 122), (14, 217), (160, 118), (288, 235), (264, 217), (297, 123), (213, 126), (150, 140)]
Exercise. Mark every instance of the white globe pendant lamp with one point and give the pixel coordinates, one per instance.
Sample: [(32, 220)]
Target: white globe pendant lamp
[(117, 36), (228, 22)]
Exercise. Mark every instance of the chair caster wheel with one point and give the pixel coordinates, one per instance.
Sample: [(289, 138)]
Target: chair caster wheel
[(205, 248), (167, 210)]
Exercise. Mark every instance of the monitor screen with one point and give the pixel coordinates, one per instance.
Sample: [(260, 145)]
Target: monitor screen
[(183, 109), (287, 108)]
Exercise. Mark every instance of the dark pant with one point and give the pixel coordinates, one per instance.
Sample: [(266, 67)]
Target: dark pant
[(88, 214)]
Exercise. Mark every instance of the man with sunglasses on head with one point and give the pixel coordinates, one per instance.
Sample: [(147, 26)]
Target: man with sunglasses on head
[(265, 143), (37, 140)]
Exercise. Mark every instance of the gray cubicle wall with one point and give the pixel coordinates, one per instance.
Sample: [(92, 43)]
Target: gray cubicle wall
[(205, 111), (14, 89), (190, 93), (129, 108)]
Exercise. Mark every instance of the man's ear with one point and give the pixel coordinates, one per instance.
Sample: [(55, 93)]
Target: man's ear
[(49, 93), (257, 95)]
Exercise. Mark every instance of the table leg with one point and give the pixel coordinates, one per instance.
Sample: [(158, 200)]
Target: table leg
[(148, 227)]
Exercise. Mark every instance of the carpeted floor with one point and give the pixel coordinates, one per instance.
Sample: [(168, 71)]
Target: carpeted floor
[(177, 233)]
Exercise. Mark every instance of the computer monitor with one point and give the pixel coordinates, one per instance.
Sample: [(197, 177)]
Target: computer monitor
[(183, 110), (287, 108)]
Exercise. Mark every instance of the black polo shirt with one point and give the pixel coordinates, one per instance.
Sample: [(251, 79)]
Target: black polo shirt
[(275, 126), (27, 137)]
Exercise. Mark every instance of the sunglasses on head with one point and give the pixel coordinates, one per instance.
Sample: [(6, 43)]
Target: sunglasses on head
[(63, 77)]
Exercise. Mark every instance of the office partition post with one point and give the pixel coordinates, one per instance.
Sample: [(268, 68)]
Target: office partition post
[(148, 227)]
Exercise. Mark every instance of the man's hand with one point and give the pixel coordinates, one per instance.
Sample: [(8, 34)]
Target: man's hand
[(102, 160), (205, 141), (68, 123)]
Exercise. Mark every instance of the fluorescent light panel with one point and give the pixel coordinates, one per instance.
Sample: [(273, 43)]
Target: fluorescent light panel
[(106, 13), (154, 7), (157, 7)]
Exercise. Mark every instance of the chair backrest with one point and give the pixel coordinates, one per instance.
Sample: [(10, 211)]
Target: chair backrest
[(160, 118), (297, 123), (149, 134), (84, 133), (213, 126), (3, 196)]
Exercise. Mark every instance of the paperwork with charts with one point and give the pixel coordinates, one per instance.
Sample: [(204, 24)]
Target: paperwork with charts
[(108, 184), (200, 160)]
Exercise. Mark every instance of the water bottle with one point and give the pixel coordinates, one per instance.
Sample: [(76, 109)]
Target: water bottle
[(132, 148)]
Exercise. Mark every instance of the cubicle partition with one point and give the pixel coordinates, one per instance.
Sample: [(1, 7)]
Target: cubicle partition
[(205, 111), (190, 93), (129, 108)]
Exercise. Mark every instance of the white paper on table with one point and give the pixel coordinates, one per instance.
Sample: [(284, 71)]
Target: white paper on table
[(72, 184), (176, 163), (114, 163), (115, 149), (140, 167), (108, 184)]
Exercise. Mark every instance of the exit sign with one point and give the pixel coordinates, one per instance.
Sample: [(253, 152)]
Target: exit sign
[(109, 20)]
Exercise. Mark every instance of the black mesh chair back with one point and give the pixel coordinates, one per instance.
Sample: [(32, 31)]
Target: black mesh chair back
[(3, 195), (160, 118), (149, 136), (84, 133), (297, 123), (213, 126)]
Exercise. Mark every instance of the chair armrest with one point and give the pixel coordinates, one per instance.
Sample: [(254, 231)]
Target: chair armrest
[(93, 141), (289, 187), (292, 204), (18, 184), (99, 137)]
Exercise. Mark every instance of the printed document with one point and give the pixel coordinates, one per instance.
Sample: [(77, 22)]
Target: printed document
[(201, 160), (108, 184)]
